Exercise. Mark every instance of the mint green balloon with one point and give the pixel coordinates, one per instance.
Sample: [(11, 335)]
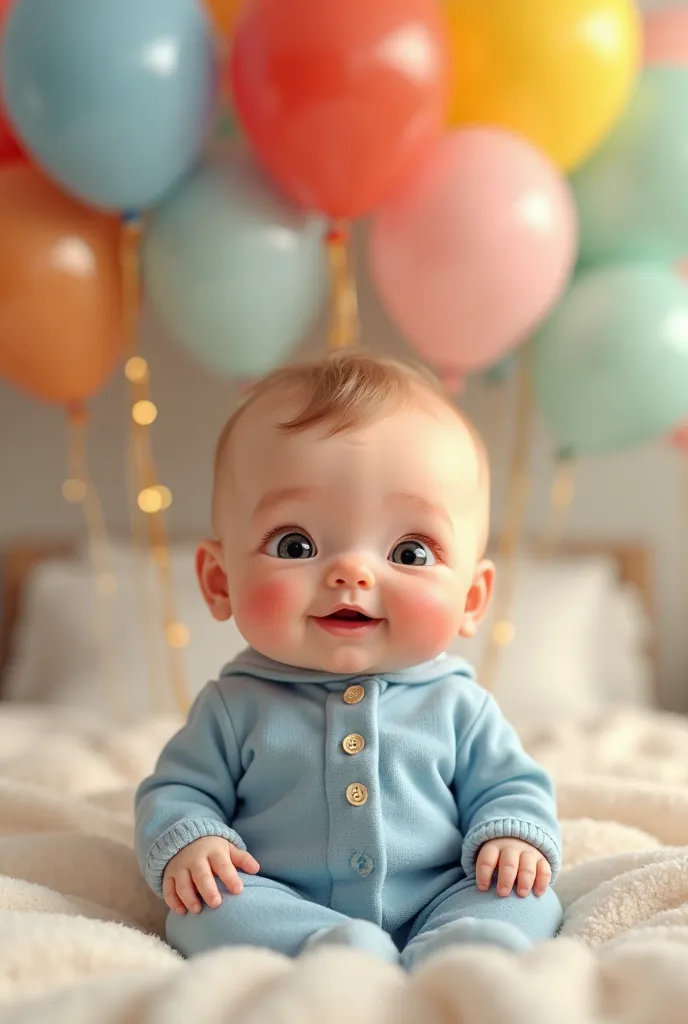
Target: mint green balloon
[(610, 365), (234, 273), (632, 194)]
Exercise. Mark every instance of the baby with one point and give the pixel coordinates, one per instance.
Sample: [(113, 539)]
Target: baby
[(345, 781)]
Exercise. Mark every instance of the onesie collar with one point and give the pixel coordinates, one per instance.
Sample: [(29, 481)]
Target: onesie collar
[(251, 663)]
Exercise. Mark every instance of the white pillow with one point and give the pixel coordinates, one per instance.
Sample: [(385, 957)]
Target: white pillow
[(577, 642)]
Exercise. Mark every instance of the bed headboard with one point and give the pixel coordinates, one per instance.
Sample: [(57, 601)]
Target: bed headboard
[(634, 562)]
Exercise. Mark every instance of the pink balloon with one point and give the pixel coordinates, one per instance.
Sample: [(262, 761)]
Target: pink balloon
[(666, 36), (679, 438), (476, 248)]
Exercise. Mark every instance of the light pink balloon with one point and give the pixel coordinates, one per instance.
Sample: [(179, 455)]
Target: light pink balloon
[(474, 251), (678, 438), (666, 36)]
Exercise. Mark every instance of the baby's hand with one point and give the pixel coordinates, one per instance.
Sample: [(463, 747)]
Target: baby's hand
[(191, 873), (515, 861)]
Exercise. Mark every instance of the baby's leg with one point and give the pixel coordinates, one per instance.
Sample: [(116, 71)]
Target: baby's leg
[(465, 915), (272, 916)]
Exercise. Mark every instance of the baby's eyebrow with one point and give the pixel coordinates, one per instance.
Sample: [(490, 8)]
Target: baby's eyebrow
[(271, 499), (423, 504)]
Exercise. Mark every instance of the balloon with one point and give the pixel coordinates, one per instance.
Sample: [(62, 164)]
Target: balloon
[(631, 195), (224, 14), (558, 72), (112, 99), (340, 99), (9, 147), (474, 251), (60, 295), (666, 36), (233, 273), (610, 365)]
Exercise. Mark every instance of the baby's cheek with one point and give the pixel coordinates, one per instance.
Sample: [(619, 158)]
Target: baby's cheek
[(428, 619), (267, 603)]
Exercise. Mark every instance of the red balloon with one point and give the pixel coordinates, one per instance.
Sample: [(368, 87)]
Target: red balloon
[(340, 98), (9, 147)]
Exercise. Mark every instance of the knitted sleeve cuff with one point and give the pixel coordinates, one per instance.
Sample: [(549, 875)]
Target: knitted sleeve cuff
[(512, 828), (177, 837)]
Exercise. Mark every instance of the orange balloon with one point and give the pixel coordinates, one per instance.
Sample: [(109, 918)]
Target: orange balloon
[(224, 14), (60, 290)]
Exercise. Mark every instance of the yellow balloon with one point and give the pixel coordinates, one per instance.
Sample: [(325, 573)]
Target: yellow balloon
[(224, 14), (558, 72)]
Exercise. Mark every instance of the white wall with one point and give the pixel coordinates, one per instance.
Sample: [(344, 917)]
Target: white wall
[(639, 496)]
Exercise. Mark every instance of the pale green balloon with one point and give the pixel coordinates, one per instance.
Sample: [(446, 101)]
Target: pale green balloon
[(232, 270), (632, 194), (610, 365)]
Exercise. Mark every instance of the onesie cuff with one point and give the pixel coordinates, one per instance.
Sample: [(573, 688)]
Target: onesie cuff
[(512, 828), (177, 837)]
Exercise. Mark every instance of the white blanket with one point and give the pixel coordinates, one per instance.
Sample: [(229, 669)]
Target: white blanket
[(80, 933)]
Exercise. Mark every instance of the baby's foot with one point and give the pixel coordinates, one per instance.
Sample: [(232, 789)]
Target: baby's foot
[(466, 931), (356, 934)]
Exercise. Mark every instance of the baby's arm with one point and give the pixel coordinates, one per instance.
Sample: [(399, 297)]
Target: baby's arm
[(505, 799), (192, 793)]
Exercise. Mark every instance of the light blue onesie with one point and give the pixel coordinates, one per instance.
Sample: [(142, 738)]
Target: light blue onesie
[(365, 800)]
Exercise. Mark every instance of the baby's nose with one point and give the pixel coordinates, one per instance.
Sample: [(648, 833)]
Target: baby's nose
[(351, 572)]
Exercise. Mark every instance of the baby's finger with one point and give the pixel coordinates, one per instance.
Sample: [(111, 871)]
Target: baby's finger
[(243, 860), (170, 895), (543, 877), (485, 866), (226, 872), (508, 869), (206, 884), (187, 891), (526, 874)]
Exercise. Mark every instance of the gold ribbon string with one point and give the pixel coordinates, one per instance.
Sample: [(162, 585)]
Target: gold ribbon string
[(561, 497), (513, 521), (79, 489), (344, 320), (152, 499)]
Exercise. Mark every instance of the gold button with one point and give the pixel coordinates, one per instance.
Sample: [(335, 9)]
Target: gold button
[(353, 744), (354, 694), (357, 794)]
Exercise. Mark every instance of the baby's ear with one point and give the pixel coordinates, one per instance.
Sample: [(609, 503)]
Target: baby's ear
[(212, 579), (478, 598)]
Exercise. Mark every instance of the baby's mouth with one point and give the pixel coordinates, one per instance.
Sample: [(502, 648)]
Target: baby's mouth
[(347, 621)]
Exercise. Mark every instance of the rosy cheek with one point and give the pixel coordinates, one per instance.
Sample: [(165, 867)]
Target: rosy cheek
[(269, 602), (426, 618)]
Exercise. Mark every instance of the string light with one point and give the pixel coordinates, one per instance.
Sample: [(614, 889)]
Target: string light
[(503, 631), (344, 321), (152, 498), (561, 495), (79, 489)]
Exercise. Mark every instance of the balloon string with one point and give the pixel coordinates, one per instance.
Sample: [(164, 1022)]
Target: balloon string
[(151, 498), (513, 522), (344, 321), (79, 489), (561, 497)]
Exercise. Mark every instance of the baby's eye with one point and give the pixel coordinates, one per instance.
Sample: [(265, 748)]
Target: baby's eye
[(291, 544), (412, 552)]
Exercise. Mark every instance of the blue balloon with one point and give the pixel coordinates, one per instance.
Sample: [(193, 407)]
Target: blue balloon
[(233, 272), (610, 365), (113, 98), (631, 194)]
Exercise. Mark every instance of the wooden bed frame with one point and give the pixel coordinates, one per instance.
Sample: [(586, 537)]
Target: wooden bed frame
[(634, 564)]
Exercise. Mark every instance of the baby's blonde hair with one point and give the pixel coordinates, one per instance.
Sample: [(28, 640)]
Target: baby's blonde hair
[(345, 390)]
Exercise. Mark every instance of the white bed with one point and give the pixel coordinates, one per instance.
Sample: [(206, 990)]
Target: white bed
[(80, 935)]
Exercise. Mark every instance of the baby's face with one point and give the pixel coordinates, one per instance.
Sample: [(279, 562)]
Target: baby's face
[(357, 553)]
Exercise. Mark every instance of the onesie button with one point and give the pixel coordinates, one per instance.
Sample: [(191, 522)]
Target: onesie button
[(357, 794), (354, 694), (353, 744)]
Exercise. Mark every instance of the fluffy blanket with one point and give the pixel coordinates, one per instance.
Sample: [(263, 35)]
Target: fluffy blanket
[(80, 934)]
